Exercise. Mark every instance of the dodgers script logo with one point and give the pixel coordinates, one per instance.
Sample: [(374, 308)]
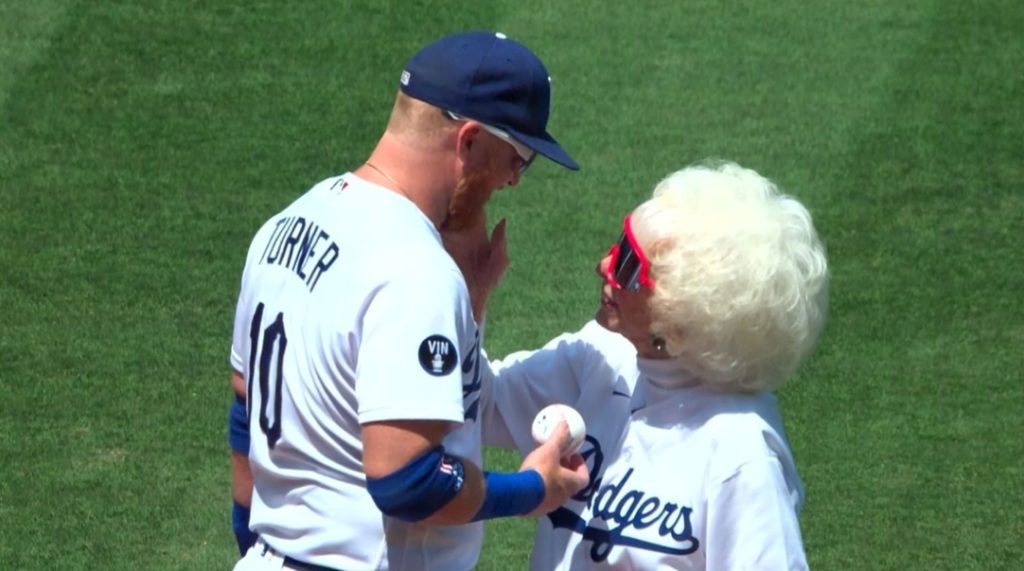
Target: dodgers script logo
[(620, 512)]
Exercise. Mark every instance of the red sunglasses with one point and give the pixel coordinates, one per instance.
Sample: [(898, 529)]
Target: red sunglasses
[(628, 267)]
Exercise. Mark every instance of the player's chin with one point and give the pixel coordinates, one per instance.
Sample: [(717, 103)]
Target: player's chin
[(466, 210)]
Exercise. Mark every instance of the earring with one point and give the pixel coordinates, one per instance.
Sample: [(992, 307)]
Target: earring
[(658, 343)]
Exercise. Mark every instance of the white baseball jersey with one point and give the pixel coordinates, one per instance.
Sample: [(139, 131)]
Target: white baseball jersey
[(681, 478), (351, 312)]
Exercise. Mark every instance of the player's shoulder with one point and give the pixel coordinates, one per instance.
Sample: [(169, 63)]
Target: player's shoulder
[(302, 209), (415, 260), (304, 202), (324, 197)]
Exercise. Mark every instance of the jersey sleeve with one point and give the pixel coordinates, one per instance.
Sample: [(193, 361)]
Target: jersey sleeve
[(526, 381), (413, 333), (239, 356), (239, 337), (753, 521)]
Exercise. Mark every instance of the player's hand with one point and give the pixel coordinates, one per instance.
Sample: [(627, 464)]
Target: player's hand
[(483, 260), (563, 477)]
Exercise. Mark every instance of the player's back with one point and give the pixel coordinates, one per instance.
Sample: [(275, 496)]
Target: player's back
[(311, 274)]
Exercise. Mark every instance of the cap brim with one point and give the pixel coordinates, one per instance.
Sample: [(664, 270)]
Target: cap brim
[(547, 146)]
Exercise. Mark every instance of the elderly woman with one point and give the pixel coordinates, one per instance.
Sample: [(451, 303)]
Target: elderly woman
[(711, 298)]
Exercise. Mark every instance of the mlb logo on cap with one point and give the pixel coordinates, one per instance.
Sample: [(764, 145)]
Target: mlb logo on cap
[(492, 79)]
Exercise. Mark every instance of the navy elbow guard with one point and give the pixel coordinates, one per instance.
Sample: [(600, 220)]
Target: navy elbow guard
[(419, 488), (238, 427)]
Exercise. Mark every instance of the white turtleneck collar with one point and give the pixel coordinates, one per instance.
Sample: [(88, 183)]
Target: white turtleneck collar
[(667, 373), (661, 379)]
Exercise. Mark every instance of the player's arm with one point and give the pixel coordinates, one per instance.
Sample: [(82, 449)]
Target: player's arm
[(241, 475), (389, 447), (411, 477)]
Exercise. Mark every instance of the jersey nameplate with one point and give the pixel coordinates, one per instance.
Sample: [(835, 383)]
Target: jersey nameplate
[(302, 247)]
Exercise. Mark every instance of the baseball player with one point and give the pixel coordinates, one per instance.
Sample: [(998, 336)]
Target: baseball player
[(356, 338), (712, 296)]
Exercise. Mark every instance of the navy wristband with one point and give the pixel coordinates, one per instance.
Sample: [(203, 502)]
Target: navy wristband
[(240, 525), (511, 494)]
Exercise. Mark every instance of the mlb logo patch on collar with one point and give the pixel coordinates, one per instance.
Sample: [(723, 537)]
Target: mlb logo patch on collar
[(438, 355)]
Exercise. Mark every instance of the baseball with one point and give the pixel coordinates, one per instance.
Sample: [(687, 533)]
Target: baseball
[(546, 420)]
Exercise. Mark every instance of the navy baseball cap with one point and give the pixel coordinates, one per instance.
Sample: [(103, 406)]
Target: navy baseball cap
[(492, 79)]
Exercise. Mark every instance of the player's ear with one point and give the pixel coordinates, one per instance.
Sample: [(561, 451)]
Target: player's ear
[(467, 135)]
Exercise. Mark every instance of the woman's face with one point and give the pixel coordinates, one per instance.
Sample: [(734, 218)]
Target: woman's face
[(626, 312)]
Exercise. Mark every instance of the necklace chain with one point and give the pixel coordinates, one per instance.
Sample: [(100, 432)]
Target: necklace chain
[(398, 187)]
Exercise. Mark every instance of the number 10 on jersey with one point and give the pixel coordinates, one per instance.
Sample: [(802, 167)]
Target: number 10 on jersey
[(269, 345)]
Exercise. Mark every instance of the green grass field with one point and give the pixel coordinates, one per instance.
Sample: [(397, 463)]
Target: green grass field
[(142, 144)]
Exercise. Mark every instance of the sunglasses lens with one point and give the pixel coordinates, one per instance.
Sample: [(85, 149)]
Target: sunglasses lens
[(627, 268)]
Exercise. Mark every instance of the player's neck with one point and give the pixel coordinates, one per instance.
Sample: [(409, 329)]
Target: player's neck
[(414, 173)]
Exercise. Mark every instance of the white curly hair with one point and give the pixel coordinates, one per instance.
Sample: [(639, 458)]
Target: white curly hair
[(740, 275)]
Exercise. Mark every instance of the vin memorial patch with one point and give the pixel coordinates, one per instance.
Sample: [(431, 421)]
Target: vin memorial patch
[(438, 355)]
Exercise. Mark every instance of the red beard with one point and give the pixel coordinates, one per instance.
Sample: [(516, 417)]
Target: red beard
[(466, 208)]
